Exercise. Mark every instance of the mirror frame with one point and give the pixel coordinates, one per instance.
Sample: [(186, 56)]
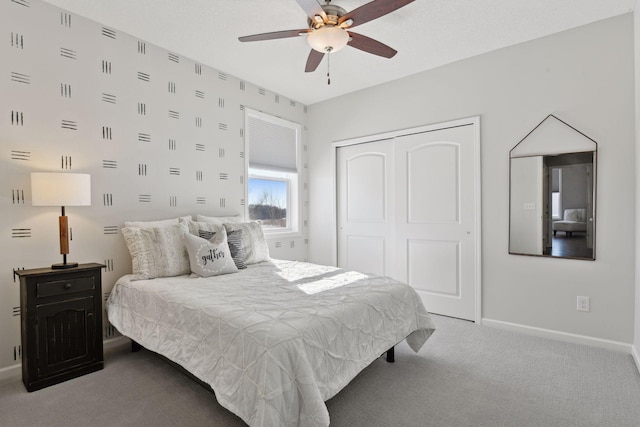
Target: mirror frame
[(550, 138)]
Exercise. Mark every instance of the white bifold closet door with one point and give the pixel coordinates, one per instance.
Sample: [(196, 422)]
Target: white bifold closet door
[(407, 209), (365, 208)]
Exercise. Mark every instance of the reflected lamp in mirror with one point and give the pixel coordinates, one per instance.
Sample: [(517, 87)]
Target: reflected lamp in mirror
[(552, 192), (61, 189)]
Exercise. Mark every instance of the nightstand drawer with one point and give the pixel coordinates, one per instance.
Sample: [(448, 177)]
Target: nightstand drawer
[(62, 287)]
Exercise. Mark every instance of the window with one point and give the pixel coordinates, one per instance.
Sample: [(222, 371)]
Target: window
[(555, 204), (268, 199), (273, 162), (556, 193)]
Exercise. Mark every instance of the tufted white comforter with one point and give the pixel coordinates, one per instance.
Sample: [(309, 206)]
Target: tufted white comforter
[(276, 340)]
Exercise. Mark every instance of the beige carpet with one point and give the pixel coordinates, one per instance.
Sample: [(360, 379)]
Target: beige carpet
[(465, 375)]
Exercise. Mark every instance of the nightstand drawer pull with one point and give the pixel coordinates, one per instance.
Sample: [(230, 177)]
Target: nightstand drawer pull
[(61, 287)]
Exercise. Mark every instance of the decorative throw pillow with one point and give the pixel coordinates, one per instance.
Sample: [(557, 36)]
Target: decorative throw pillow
[(157, 251), (156, 224), (254, 244), (196, 226), (209, 257), (573, 215), (234, 240), (218, 219)]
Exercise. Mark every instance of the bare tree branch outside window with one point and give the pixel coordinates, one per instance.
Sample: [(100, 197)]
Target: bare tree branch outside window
[(269, 209)]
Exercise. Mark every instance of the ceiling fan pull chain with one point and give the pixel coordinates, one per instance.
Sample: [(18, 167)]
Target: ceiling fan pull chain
[(328, 68)]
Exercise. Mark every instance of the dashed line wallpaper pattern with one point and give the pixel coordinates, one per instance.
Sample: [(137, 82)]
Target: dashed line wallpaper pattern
[(161, 135)]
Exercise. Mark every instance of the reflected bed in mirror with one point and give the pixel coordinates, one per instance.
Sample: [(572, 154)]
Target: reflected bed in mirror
[(552, 190)]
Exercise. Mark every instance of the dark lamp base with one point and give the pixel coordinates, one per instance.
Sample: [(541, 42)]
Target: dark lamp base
[(64, 265)]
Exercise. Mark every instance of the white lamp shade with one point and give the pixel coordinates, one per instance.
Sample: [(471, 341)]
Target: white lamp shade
[(328, 39), (60, 189)]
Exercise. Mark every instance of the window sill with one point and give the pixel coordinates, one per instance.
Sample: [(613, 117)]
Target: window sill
[(276, 235)]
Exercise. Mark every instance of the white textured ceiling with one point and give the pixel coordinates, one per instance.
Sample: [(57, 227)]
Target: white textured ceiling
[(426, 33)]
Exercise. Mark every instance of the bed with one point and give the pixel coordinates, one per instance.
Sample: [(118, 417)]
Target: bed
[(274, 340)]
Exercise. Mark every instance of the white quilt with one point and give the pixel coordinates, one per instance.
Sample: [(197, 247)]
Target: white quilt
[(276, 340)]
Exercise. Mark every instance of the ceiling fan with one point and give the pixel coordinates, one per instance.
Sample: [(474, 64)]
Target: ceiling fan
[(329, 29)]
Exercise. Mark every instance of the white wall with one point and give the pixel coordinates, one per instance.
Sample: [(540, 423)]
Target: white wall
[(182, 167), (585, 77), (636, 340)]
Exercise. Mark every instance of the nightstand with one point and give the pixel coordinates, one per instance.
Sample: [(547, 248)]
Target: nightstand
[(61, 321)]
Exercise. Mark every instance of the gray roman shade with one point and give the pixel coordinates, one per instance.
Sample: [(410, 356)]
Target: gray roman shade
[(272, 146)]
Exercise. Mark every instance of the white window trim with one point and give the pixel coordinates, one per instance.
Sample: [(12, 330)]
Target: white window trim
[(294, 213)]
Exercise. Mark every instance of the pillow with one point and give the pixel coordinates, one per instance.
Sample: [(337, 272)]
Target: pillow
[(156, 224), (574, 215), (209, 257), (157, 251), (234, 240), (196, 226), (218, 219), (253, 244)]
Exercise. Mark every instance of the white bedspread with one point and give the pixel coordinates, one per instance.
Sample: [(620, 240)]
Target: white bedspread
[(277, 339)]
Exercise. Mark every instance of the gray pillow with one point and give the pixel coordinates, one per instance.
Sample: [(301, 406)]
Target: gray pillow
[(254, 244), (196, 226)]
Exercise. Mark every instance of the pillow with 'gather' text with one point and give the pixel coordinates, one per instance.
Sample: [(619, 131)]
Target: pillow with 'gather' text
[(234, 240), (210, 257)]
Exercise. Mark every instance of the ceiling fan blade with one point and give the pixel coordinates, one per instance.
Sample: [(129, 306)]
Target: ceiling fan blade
[(312, 8), (370, 45), (273, 35), (313, 61), (372, 10)]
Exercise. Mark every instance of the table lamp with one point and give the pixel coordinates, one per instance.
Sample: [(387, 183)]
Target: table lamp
[(61, 189)]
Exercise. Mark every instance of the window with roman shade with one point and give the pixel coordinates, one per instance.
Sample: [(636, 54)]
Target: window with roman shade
[(273, 153)]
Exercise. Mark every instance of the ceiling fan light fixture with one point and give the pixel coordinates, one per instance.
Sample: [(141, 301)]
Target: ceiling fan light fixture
[(328, 39)]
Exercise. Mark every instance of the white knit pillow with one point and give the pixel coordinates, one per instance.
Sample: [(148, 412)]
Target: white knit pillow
[(157, 223), (157, 251), (218, 219)]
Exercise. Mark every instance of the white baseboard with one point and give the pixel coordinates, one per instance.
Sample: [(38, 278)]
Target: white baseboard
[(15, 371), (636, 357), (562, 336), (11, 372)]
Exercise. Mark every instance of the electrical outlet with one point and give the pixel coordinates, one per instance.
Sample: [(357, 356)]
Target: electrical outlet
[(583, 304)]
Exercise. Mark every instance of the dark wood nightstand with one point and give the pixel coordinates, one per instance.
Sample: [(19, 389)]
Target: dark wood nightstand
[(61, 323)]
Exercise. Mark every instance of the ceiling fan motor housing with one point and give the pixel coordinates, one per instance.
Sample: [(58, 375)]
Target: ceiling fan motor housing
[(333, 13)]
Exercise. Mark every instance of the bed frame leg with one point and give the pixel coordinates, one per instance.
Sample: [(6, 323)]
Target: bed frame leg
[(391, 355), (135, 347)]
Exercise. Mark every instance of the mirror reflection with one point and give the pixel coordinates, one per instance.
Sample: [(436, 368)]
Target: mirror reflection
[(552, 195)]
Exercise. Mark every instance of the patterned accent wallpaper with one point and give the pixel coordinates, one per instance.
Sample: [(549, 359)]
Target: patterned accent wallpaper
[(161, 135)]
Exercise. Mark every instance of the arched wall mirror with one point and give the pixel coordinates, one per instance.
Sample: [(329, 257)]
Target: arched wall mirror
[(552, 192)]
